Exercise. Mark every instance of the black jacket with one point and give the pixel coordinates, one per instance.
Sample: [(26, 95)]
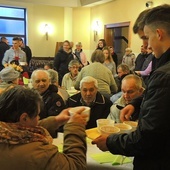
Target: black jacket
[(3, 48), (99, 109), (61, 62), (150, 143), (53, 102)]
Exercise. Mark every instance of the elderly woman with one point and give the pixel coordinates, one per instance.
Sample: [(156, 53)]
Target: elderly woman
[(24, 145), (106, 82), (9, 77)]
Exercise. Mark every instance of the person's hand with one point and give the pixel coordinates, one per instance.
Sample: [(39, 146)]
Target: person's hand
[(126, 112), (77, 117), (63, 117), (101, 142)]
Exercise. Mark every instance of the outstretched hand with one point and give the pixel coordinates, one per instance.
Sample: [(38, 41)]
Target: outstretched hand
[(101, 142)]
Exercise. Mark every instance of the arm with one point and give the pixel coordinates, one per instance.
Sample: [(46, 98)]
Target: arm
[(152, 135), (113, 86), (57, 61), (5, 58), (147, 71)]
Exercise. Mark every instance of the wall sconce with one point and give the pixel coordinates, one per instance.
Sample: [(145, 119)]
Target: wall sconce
[(149, 4), (46, 30), (96, 29)]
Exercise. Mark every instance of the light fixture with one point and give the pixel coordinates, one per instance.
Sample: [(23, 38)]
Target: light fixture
[(149, 4), (95, 29), (46, 30)]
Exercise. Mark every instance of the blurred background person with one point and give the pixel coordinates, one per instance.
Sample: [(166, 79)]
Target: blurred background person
[(114, 55), (129, 58), (106, 83), (3, 47), (101, 44), (62, 59), (109, 63)]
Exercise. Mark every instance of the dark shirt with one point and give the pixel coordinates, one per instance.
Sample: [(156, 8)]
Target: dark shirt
[(53, 102), (100, 108)]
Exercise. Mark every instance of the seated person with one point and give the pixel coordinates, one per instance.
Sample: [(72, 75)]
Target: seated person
[(122, 71), (106, 83), (69, 79), (24, 145), (53, 103), (54, 80), (9, 77), (89, 96), (48, 66), (131, 88)]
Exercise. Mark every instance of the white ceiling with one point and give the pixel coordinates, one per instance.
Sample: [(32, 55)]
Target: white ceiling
[(65, 3)]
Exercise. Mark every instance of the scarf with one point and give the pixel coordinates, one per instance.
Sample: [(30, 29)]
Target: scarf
[(14, 133)]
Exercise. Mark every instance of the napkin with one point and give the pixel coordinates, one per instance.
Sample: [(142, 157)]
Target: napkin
[(92, 133), (107, 157)]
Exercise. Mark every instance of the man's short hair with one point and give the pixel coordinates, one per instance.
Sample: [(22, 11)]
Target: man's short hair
[(89, 79), (137, 79), (3, 39), (139, 23), (97, 56), (39, 70), (16, 39), (73, 62), (159, 17), (124, 67)]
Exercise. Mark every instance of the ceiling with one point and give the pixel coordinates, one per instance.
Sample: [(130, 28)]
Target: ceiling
[(65, 3)]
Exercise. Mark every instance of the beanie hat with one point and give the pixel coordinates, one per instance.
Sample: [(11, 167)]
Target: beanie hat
[(8, 74)]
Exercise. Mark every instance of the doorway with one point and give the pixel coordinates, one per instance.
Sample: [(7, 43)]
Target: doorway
[(117, 35)]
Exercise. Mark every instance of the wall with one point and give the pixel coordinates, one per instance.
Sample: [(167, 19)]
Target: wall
[(37, 16), (120, 11), (82, 28)]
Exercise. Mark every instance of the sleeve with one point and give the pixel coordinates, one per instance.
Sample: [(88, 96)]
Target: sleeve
[(74, 150), (29, 55), (113, 85), (79, 77), (5, 58), (50, 124), (152, 135), (56, 105), (147, 71), (57, 61)]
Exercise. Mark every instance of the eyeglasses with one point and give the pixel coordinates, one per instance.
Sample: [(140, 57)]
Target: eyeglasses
[(74, 67)]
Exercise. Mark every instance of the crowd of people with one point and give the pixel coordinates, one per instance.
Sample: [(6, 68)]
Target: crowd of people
[(30, 118)]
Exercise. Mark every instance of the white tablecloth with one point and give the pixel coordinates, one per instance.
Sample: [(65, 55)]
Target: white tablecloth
[(91, 163)]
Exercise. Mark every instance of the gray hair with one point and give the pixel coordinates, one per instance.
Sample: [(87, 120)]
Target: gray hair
[(88, 79), (53, 76), (39, 70), (138, 80), (73, 62)]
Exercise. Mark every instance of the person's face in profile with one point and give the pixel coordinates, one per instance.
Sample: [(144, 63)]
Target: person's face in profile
[(88, 92)]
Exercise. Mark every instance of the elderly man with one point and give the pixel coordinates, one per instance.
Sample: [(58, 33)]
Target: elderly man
[(131, 88), (53, 103), (89, 96)]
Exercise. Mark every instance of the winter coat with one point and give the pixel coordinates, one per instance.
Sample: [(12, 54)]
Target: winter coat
[(40, 156), (53, 102), (150, 143), (61, 62)]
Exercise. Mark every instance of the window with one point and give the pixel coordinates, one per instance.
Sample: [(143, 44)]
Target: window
[(12, 22)]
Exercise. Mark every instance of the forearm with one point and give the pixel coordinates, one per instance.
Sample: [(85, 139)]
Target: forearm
[(75, 145)]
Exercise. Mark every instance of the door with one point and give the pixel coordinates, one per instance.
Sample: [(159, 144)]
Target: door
[(117, 35)]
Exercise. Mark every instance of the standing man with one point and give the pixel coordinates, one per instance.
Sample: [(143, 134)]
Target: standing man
[(149, 144), (26, 49), (3, 47), (14, 53)]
